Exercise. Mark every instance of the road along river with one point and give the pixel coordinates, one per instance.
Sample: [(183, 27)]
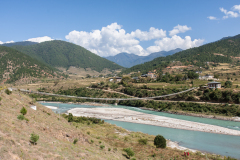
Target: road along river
[(227, 145)]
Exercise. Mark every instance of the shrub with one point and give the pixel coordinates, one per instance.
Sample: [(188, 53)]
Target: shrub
[(70, 117), (142, 141), (0, 98), (92, 141), (75, 141), (23, 111), (34, 138), (88, 133), (20, 117), (228, 84), (8, 92), (109, 149), (129, 152), (102, 146), (160, 141)]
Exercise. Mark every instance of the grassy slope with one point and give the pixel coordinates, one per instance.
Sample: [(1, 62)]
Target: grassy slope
[(20, 65), (64, 54), (54, 142), (228, 47)]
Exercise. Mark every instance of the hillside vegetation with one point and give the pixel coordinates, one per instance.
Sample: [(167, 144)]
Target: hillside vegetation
[(64, 54), (223, 51), (19, 66)]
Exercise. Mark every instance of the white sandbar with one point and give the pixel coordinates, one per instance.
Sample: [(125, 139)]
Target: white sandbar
[(51, 107), (125, 115)]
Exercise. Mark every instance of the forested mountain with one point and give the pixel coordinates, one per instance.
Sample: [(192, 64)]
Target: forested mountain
[(223, 51), (64, 54), (129, 60), (23, 43), (15, 65)]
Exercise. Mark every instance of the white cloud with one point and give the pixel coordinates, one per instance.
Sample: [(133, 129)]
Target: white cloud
[(212, 18), (110, 40), (167, 44), (179, 29), (9, 42), (230, 13), (6, 42), (113, 39), (152, 34), (40, 39), (236, 8)]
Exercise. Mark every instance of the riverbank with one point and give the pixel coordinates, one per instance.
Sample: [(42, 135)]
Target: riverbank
[(225, 118), (125, 115), (236, 119)]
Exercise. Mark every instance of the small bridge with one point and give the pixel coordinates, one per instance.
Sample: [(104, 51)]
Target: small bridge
[(108, 99)]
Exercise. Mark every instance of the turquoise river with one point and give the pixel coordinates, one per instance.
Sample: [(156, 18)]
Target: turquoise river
[(225, 145)]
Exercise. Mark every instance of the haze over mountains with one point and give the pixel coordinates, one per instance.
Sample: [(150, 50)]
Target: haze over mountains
[(129, 60)]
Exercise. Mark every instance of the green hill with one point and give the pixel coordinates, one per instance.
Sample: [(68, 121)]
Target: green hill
[(15, 65), (223, 51), (64, 54)]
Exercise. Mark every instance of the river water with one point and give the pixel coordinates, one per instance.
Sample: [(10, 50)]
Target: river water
[(226, 145)]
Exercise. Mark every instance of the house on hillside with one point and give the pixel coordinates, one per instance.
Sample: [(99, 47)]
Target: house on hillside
[(144, 75), (206, 77), (135, 78), (214, 85), (118, 79), (151, 74)]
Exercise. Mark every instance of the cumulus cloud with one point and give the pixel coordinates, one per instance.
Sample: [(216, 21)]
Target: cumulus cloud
[(40, 39), (152, 34), (167, 44), (231, 13), (110, 40), (179, 29), (113, 39), (212, 18), (1, 42)]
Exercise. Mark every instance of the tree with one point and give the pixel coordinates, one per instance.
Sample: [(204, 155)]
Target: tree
[(160, 141), (8, 92), (228, 84), (178, 77), (70, 117), (125, 80), (129, 152), (23, 111), (88, 76), (192, 75), (75, 141), (216, 76), (34, 138)]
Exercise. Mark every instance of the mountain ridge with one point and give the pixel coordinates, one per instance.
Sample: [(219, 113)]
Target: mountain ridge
[(222, 51), (15, 66), (128, 60), (59, 53)]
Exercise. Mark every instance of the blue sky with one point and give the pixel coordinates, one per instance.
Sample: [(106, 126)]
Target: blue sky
[(109, 27)]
